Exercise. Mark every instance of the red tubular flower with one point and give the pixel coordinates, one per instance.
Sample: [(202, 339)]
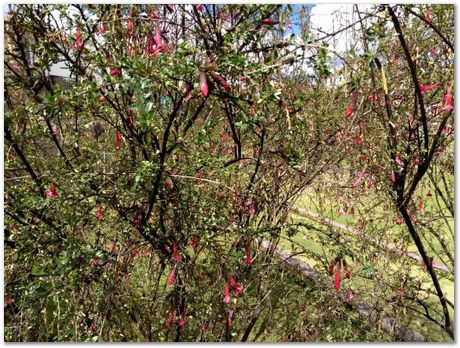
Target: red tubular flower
[(345, 269), (130, 25), (171, 276), (171, 315), (398, 160), (358, 140), (52, 192), (176, 255), (182, 318), (102, 28), (348, 112), (158, 38), (99, 214), (248, 260), (115, 71), (219, 79), (195, 242), (428, 16), (79, 43), (424, 88), (331, 267), (420, 204), (229, 320), (349, 296), (337, 278), (237, 287), (448, 103), (227, 294), (203, 84), (393, 177), (270, 21), (199, 7), (118, 141)]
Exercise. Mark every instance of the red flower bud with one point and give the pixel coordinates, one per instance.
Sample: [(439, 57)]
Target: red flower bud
[(99, 214), (171, 276), (203, 84), (270, 21), (337, 278), (428, 17), (118, 141)]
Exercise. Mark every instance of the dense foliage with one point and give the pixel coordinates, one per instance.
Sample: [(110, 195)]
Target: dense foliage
[(138, 193)]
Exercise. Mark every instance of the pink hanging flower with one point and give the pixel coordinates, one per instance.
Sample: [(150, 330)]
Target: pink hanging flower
[(199, 7), (171, 276), (102, 28), (219, 79), (399, 220), (358, 140), (393, 177), (227, 294), (118, 141), (448, 103), (359, 176), (237, 287), (115, 71), (171, 316), (158, 38), (52, 192), (348, 112), (99, 214), (349, 296), (229, 320), (398, 160), (424, 88), (428, 16), (203, 84), (79, 43)]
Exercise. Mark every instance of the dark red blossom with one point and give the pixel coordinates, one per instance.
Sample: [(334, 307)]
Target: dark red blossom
[(337, 278), (269, 21), (171, 276), (115, 71), (227, 294), (52, 192), (118, 141), (237, 287)]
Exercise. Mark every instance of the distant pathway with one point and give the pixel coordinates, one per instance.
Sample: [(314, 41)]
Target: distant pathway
[(390, 246)]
